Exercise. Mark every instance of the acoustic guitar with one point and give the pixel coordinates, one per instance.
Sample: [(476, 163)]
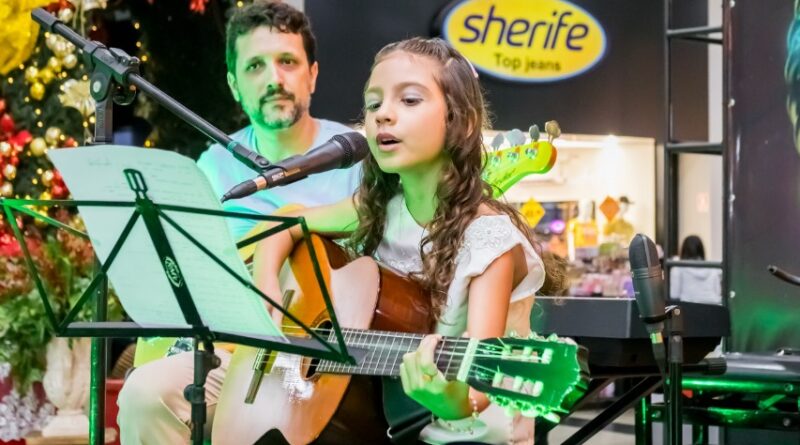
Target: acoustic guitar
[(298, 400)]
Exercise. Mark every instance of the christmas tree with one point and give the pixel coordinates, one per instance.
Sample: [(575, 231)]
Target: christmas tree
[(44, 105)]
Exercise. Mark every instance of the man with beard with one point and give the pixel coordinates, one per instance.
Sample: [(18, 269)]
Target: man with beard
[(272, 72)]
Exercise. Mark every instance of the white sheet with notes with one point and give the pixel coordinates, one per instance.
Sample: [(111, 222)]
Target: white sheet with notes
[(137, 275)]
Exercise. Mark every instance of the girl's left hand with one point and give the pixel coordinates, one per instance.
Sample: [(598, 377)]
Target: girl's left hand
[(423, 382)]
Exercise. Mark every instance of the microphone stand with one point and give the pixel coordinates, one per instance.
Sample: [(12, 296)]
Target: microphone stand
[(115, 78), (673, 326), (117, 73)]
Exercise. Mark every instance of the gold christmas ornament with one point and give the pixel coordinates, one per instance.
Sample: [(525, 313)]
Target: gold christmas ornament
[(54, 63), (7, 190), (88, 5), (66, 15), (37, 91), (51, 135), (31, 74), (51, 40), (70, 60), (38, 146), (61, 49), (46, 196), (46, 75), (10, 172), (47, 177), (76, 95), (5, 149)]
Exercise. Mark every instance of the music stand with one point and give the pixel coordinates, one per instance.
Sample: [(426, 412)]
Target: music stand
[(153, 215)]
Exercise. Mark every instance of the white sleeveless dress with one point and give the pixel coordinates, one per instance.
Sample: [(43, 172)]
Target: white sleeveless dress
[(485, 239)]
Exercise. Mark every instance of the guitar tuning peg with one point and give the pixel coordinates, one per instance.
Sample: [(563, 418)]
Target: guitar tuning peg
[(498, 141), (534, 133), (552, 129), (552, 417), (515, 137)]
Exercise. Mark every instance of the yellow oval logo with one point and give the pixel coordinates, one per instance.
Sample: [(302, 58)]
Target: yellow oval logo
[(526, 40)]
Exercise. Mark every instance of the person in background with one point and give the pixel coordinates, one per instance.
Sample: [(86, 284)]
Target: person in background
[(695, 284), (272, 73)]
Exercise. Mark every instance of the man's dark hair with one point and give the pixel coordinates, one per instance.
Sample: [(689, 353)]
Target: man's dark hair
[(275, 15)]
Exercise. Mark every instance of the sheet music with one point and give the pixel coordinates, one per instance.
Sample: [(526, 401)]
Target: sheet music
[(224, 304)]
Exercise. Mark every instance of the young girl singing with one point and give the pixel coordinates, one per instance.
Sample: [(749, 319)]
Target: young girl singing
[(423, 210)]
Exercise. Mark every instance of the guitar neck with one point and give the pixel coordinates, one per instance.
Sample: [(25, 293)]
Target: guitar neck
[(385, 350)]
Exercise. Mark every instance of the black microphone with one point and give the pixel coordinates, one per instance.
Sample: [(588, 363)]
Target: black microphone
[(341, 151), (648, 287)]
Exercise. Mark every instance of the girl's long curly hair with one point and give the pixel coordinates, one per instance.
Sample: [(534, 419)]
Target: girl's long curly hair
[(461, 190)]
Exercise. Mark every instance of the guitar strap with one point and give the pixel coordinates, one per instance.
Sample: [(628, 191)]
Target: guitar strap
[(406, 418)]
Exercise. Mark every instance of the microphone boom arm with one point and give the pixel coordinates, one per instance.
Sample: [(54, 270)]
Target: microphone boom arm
[(116, 71)]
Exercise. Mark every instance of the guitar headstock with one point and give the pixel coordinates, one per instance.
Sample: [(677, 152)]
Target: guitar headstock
[(505, 167), (535, 376)]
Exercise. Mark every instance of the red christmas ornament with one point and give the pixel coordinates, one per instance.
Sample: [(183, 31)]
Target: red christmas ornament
[(15, 160), (58, 191), (70, 142), (2, 105), (20, 140), (58, 5), (198, 6), (6, 123)]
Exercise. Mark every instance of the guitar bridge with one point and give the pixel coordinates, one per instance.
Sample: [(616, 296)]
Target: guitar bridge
[(264, 360)]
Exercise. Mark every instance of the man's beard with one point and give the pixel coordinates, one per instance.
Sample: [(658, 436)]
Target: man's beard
[(281, 119), (278, 118)]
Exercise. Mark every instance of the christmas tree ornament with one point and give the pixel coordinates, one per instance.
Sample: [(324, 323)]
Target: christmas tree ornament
[(31, 74), (47, 178), (46, 196), (51, 135), (51, 39), (37, 91), (58, 191), (46, 75), (6, 123), (66, 15), (70, 61), (10, 172), (88, 5), (76, 95), (7, 190), (54, 63), (38, 146), (5, 149)]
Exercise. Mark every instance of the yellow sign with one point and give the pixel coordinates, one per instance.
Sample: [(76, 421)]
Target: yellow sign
[(532, 211), (526, 40)]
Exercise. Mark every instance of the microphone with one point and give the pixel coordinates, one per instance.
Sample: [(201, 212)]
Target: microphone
[(648, 287), (341, 151)]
